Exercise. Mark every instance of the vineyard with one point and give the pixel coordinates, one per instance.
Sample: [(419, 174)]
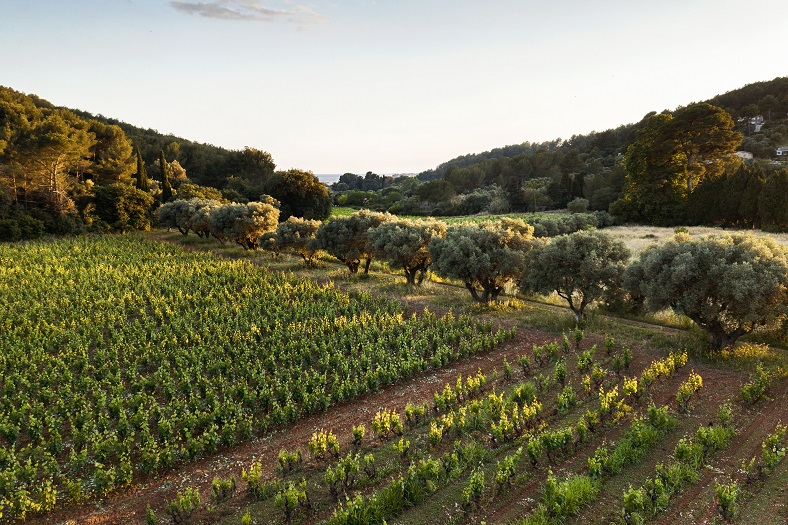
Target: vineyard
[(124, 357), (542, 440), (157, 394)]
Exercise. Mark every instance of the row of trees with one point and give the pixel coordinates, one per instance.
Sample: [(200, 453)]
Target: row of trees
[(728, 285)]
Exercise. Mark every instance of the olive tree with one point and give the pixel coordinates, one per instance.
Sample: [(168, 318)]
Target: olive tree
[(243, 223), (404, 244), (579, 267), (200, 220), (346, 238), (485, 257), (178, 214), (728, 285), (298, 235)]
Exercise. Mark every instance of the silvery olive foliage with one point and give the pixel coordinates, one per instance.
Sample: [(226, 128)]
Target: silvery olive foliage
[(404, 244), (485, 257), (729, 285)]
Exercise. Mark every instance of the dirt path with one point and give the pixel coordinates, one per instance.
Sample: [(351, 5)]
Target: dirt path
[(128, 506)]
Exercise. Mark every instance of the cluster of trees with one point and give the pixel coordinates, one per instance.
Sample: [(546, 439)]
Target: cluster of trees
[(751, 196), (728, 285), (61, 170), (242, 223), (665, 156)]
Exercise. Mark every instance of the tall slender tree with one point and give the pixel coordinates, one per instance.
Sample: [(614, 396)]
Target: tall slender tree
[(143, 183), (166, 187)]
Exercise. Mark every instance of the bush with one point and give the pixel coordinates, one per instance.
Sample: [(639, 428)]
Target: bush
[(564, 498), (472, 494), (578, 205), (184, 505), (321, 443), (222, 489), (687, 390), (772, 450), (755, 390), (727, 496), (257, 486), (291, 498)]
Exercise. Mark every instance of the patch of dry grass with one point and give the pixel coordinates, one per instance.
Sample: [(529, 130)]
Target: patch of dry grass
[(638, 238)]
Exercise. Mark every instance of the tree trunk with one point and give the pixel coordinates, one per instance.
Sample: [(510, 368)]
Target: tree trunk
[(410, 276), (474, 292), (721, 340), (366, 266)]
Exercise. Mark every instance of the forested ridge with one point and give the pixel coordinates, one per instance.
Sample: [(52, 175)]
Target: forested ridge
[(646, 172), (64, 170)]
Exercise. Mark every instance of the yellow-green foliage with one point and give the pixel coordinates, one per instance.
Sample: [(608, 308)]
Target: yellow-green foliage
[(175, 354)]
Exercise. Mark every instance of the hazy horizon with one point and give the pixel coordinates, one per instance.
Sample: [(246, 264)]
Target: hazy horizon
[(388, 87)]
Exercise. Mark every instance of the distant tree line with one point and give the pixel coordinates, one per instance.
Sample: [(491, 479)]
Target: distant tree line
[(648, 171)]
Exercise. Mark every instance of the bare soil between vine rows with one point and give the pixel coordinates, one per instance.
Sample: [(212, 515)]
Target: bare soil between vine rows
[(129, 505)]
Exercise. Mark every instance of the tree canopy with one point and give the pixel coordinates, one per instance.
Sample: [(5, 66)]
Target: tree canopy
[(404, 244), (298, 235), (243, 223), (301, 194), (579, 267), (485, 257), (728, 285), (347, 239), (672, 154)]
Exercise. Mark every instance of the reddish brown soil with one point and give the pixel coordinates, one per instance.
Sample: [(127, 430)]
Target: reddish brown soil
[(128, 506)]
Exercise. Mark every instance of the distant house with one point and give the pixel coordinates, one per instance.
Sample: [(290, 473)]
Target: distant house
[(782, 151), (744, 155)]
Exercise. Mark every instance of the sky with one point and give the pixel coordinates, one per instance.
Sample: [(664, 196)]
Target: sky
[(389, 86)]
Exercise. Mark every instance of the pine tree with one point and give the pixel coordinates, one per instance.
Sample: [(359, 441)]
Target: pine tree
[(166, 187), (143, 183)]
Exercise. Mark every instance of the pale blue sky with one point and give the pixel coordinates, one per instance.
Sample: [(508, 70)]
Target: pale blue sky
[(383, 85)]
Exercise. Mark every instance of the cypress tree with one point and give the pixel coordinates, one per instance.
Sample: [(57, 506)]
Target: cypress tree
[(143, 183), (166, 187)]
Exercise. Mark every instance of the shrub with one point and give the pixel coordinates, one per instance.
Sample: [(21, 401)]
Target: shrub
[(585, 360), (472, 494), (289, 461), (150, 516), (564, 498), (567, 400), (560, 371), (577, 205), (755, 390), (386, 422), (358, 434), (525, 364), (687, 390), (772, 451), (184, 505), (322, 443), (291, 498), (506, 469), (402, 447), (727, 496), (258, 487), (222, 489), (415, 413)]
